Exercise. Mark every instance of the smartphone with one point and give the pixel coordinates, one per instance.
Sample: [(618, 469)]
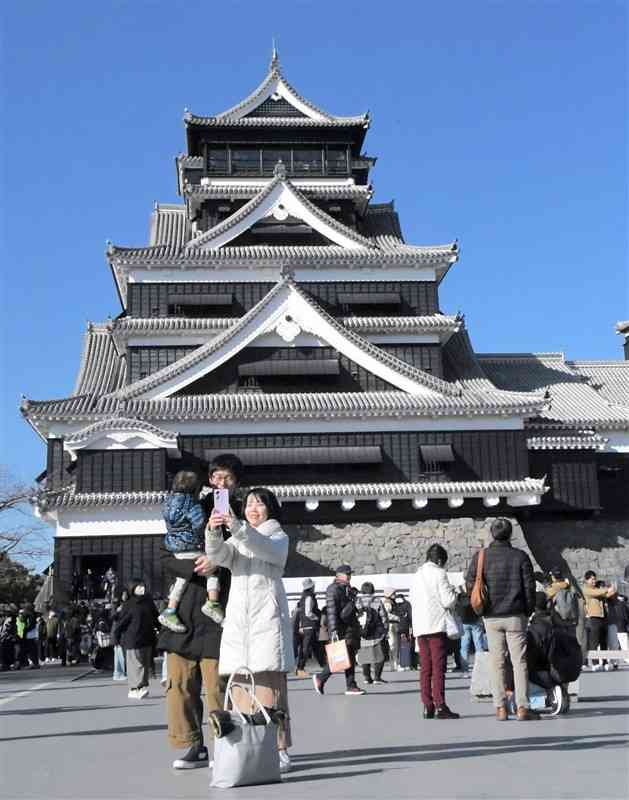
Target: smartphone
[(221, 500)]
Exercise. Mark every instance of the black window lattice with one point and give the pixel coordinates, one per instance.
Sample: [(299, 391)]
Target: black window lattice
[(275, 108)]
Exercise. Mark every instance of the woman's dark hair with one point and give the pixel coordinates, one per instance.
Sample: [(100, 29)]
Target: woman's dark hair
[(227, 461), (186, 482), (266, 497), (437, 554), (589, 574), (131, 586), (367, 588)]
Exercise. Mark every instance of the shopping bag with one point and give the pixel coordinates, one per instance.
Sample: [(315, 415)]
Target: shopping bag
[(405, 653), (247, 755), (338, 656), (454, 626)]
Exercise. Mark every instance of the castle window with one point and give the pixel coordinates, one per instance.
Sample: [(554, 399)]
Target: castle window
[(307, 161), (336, 161), (271, 157), (436, 458), (217, 160), (246, 161)]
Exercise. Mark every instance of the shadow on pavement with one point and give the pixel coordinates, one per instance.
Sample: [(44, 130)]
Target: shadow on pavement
[(63, 709), (333, 776), (469, 749), (99, 732)]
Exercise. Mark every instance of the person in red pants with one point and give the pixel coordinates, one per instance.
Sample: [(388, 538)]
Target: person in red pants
[(431, 596)]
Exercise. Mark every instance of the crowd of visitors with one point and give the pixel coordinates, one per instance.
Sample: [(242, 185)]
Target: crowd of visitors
[(227, 612)]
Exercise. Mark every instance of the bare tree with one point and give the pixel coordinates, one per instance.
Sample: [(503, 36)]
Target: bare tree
[(23, 537)]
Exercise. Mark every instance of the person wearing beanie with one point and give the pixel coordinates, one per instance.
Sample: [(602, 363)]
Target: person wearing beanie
[(343, 623), (508, 576), (308, 620)]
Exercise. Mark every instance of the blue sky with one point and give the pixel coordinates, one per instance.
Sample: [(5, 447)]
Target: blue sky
[(503, 124)]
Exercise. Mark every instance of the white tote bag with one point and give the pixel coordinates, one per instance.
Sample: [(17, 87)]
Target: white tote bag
[(247, 756)]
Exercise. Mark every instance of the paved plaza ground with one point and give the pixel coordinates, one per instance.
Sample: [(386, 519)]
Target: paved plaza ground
[(68, 734)]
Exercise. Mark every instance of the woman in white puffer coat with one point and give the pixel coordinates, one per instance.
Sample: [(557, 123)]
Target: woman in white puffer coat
[(431, 597), (256, 631)]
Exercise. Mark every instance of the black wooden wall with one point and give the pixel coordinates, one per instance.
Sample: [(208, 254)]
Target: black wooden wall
[(351, 378), (58, 462), (480, 455), (148, 300), (134, 556), (143, 361), (121, 471)]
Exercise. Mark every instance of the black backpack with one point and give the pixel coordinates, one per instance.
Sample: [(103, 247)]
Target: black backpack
[(370, 629), (565, 655)]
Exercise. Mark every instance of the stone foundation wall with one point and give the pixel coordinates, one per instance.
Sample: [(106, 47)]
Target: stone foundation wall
[(579, 545), (381, 547)]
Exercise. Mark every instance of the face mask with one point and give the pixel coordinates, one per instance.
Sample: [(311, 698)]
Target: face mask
[(139, 591)]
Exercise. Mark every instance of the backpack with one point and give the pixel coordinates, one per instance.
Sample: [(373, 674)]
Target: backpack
[(565, 656), (370, 629), (567, 606)]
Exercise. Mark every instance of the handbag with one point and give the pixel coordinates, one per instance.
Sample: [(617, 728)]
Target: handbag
[(479, 598), (454, 626), (247, 754), (338, 656), (103, 639)]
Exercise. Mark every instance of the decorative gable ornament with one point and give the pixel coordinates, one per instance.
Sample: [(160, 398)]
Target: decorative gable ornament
[(122, 433), (288, 329)]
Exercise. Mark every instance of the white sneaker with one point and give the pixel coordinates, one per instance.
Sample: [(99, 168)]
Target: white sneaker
[(143, 692), (285, 762), (608, 667), (133, 694)]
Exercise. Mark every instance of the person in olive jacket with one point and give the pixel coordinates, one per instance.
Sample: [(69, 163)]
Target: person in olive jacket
[(136, 630)]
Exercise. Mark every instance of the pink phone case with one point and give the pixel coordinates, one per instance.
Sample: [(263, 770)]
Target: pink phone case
[(221, 500)]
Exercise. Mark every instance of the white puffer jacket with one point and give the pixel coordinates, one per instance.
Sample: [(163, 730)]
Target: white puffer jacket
[(256, 631), (431, 595)]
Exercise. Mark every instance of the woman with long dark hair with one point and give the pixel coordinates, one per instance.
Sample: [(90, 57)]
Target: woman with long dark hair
[(431, 597), (257, 631)]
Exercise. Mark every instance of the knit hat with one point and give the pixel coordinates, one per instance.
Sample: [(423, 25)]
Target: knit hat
[(344, 569), (307, 583)]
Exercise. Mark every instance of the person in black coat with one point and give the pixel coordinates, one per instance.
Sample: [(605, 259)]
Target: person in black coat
[(137, 631), (508, 576), (340, 598), (192, 661)]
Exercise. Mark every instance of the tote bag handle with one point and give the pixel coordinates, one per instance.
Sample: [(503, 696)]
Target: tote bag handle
[(250, 689)]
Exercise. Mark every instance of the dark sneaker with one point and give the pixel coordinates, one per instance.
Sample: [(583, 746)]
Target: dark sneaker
[(318, 686), (195, 757), (169, 619), (428, 713), (355, 690), (369, 681), (443, 712)]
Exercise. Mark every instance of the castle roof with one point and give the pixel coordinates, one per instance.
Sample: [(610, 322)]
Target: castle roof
[(517, 492), (275, 103), (573, 399)]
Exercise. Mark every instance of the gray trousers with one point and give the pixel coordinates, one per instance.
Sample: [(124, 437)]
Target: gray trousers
[(138, 664), (508, 634)]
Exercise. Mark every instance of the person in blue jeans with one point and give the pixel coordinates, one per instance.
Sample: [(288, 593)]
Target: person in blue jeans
[(472, 631)]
